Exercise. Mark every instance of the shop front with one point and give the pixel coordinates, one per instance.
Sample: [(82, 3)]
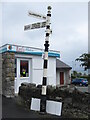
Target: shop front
[(25, 64)]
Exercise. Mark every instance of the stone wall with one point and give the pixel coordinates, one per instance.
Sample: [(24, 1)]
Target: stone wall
[(8, 74), (75, 103)]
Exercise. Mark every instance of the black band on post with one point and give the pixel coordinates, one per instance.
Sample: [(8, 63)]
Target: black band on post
[(48, 27), (47, 34), (49, 15), (44, 81), (45, 64)]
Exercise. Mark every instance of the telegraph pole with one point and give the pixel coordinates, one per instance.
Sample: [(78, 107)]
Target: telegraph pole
[(45, 65)]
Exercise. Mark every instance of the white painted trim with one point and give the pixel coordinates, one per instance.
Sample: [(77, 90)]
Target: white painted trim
[(46, 39), (18, 79), (46, 56), (43, 90), (23, 56), (44, 72)]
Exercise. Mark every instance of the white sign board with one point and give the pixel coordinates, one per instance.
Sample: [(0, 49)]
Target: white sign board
[(36, 15), (52, 107), (35, 104), (35, 26)]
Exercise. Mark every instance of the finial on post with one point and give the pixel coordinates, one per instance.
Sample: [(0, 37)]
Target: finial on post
[(49, 7)]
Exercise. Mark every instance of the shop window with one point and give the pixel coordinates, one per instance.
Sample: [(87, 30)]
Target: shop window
[(24, 68), (15, 67)]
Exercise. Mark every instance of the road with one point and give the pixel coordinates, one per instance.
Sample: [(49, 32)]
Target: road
[(10, 109)]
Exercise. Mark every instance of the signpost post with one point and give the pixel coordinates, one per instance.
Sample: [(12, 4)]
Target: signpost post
[(45, 65)]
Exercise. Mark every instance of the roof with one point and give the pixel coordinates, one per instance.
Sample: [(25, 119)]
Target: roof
[(27, 50), (62, 65)]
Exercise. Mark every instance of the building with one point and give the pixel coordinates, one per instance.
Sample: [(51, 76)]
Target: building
[(25, 64), (63, 73)]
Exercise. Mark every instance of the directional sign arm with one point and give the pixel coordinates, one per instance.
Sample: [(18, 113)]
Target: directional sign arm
[(40, 16), (35, 26)]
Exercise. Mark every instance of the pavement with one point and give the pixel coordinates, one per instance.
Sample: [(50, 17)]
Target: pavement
[(82, 89), (10, 109)]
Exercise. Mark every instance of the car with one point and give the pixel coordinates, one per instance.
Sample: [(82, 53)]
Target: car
[(80, 81)]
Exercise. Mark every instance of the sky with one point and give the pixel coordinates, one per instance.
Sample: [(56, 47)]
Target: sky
[(69, 24)]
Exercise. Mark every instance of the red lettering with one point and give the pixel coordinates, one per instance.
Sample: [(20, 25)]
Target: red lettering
[(20, 49)]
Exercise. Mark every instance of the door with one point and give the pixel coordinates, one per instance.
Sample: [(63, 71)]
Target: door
[(61, 78), (22, 72)]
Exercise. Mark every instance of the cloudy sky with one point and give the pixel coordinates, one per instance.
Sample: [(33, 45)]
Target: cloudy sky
[(69, 23)]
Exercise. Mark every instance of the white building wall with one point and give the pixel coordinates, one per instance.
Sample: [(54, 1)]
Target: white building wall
[(68, 77), (37, 70), (51, 71)]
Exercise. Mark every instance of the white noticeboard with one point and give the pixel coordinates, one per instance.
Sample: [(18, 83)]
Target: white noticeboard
[(52, 107), (35, 104)]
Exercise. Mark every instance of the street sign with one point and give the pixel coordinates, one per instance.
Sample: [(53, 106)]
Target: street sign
[(36, 15), (35, 25)]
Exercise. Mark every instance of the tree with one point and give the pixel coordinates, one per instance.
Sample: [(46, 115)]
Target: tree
[(74, 74), (85, 60), (79, 74)]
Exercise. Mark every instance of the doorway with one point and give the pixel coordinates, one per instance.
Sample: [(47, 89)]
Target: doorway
[(22, 72), (61, 78)]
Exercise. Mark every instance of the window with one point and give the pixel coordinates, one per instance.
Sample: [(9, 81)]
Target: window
[(24, 68), (15, 67)]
